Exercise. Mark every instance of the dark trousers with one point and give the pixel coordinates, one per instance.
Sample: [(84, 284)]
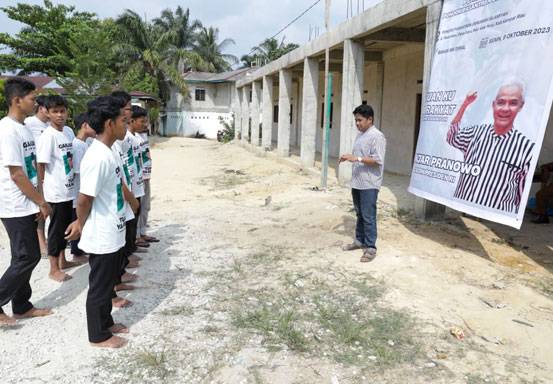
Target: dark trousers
[(25, 252), (59, 221), (75, 250), (364, 202), (103, 269)]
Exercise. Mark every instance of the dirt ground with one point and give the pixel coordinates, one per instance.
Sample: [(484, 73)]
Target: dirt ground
[(249, 285)]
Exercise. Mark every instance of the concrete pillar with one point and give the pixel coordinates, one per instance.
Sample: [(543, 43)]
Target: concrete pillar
[(255, 112), (309, 111), (245, 112), (352, 93), (267, 115), (424, 209), (237, 109), (379, 94), (284, 101)]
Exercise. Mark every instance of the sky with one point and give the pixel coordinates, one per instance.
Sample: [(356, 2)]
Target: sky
[(247, 22)]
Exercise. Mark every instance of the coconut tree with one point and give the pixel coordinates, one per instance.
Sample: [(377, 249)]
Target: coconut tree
[(181, 27), (211, 51), (148, 48)]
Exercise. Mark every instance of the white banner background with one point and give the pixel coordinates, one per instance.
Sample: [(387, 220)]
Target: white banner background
[(481, 45)]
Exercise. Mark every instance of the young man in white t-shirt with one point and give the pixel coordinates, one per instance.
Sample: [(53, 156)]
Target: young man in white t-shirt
[(37, 124), (84, 131), (146, 174), (57, 179), (135, 126), (20, 201), (101, 219)]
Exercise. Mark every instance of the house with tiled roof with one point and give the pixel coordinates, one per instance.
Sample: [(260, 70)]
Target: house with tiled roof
[(210, 99)]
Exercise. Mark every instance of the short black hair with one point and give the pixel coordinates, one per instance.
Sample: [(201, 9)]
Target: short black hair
[(80, 119), (40, 100), (101, 110), (138, 112), (364, 110), (124, 96), (53, 101), (17, 87)]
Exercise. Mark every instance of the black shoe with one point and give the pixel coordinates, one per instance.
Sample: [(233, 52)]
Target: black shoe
[(541, 219)]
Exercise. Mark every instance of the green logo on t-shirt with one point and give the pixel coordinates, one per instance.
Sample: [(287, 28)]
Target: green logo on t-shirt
[(130, 157), (145, 156), (138, 163), (127, 174), (120, 201), (30, 165), (68, 162)]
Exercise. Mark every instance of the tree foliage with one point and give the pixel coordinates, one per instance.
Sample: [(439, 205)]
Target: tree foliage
[(269, 50)]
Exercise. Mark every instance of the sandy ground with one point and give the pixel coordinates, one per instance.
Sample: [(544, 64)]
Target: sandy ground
[(249, 285)]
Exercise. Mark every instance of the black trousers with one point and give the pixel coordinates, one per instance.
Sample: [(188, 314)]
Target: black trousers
[(25, 252), (103, 269), (130, 243), (75, 250), (59, 221)]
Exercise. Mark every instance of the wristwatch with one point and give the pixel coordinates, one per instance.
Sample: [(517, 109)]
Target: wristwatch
[(359, 159)]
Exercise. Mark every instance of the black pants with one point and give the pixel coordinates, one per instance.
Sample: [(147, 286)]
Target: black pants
[(25, 251), (59, 221), (103, 269), (130, 243), (75, 250)]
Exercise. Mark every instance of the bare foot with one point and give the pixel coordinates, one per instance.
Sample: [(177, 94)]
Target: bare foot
[(59, 276), (124, 287), (119, 302), (135, 258), (128, 277), (119, 328), (133, 264), (6, 320), (34, 312), (140, 250), (112, 342)]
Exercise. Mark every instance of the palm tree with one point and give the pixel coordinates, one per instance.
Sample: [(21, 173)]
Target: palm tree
[(146, 47), (212, 52), (269, 50), (179, 25)]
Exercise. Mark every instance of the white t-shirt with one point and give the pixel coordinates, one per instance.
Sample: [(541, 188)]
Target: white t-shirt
[(67, 131), (133, 159), (117, 149), (36, 126), (102, 178), (17, 148), (56, 151), (146, 157), (79, 149)]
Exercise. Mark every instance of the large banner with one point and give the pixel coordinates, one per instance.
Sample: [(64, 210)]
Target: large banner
[(486, 107)]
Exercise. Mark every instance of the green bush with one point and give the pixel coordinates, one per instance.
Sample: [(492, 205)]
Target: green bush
[(226, 134)]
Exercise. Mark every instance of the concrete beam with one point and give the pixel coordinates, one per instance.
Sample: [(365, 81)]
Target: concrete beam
[(267, 115), (284, 102), (424, 209), (309, 112), (384, 13), (255, 112), (403, 35), (352, 93)]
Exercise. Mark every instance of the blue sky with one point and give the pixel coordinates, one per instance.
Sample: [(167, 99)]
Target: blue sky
[(248, 22)]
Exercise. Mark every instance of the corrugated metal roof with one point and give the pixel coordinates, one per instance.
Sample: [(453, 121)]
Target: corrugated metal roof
[(208, 77)]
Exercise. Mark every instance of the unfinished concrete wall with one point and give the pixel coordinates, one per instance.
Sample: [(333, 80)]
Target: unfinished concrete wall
[(403, 72), (334, 148)]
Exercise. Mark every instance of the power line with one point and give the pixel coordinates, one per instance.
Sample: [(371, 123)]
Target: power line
[(290, 23)]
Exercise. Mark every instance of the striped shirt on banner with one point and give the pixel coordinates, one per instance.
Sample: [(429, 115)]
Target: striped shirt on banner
[(504, 161)]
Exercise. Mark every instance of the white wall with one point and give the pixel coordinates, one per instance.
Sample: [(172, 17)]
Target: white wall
[(189, 124)]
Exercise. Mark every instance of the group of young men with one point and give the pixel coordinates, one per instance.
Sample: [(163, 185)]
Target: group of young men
[(94, 187)]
